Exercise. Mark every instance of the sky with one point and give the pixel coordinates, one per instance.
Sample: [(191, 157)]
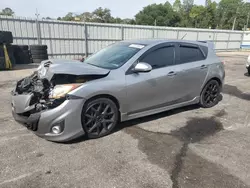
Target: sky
[(59, 8)]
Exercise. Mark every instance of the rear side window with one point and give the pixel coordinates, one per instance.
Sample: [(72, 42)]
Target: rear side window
[(160, 57), (190, 54), (204, 49)]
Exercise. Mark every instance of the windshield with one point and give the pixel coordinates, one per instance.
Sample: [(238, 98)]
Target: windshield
[(114, 56)]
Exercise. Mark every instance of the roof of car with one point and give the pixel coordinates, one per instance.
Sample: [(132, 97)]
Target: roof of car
[(158, 41)]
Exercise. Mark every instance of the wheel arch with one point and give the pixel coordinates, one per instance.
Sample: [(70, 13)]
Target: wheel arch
[(213, 78), (217, 79), (111, 97)]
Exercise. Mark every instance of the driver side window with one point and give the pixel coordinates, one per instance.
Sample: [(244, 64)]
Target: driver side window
[(160, 57)]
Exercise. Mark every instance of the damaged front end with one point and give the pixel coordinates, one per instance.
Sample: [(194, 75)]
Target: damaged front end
[(47, 88)]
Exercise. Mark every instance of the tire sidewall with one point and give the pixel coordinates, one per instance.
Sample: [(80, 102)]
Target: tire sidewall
[(99, 100), (202, 102)]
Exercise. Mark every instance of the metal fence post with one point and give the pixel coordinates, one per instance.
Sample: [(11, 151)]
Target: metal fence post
[(1, 23), (214, 38), (153, 33), (38, 29), (242, 39), (50, 41), (178, 34), (197, 37), (228, 40), (86, 39), (122, 32)]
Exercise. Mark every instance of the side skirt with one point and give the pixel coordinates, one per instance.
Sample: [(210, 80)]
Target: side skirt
[(126, 116)]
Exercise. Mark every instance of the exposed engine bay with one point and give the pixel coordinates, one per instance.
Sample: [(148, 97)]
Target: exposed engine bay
[(41, 84)]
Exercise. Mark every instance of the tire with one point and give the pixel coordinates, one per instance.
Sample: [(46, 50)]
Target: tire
[(40, 56), (38, 47), (248, 71), (2, 63), (38, 51), (210, 95), (38, 61), (21, 47), (21, 54), (94, 121), (23, 59), (6, 37)]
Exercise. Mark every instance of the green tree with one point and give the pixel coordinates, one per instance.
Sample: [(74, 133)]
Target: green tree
[(227, 11), (211, 14), (162, 15), (116, 20), (242, 15), (177, 6), (197, 14), (102, 15), (86, 16), (69, 17), (187, 5), (7, 12)]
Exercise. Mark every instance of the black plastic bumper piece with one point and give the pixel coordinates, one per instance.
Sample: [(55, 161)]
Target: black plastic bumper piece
[(30, 122)]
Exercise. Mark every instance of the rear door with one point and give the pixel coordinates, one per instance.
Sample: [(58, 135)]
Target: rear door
[(192, 70)]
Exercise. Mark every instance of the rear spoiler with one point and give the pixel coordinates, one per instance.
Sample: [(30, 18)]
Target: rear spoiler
[(210, 44)]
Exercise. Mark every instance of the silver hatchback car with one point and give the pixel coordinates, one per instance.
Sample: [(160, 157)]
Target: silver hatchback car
[(65, 99)]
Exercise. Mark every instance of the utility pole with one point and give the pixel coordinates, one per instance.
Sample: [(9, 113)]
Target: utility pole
[(235, 18), (38, 29), (155, 22), (37, 14)]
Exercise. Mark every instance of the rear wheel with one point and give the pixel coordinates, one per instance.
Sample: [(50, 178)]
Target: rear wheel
[(210, 94), (99, 117), (248, 70)]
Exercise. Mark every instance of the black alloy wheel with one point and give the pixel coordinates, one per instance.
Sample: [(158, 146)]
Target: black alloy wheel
[(99, 117), (210, 94)]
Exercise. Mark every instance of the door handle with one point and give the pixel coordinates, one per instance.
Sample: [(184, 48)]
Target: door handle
[(172, 73), (203, 66)]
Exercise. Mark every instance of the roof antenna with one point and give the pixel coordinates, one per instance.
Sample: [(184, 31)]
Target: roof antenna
[(183, 36)]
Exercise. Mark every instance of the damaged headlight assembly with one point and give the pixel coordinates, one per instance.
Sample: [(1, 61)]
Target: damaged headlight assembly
[(60, 91)]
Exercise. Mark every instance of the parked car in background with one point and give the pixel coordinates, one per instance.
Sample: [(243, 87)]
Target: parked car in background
[(248, 65), (63, 100)]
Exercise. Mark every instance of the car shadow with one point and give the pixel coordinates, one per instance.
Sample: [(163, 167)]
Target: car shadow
[(246, 74), (234, 91), (154, 117), (122, 125)]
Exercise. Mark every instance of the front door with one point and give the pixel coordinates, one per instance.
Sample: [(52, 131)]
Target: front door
[(151, 90)]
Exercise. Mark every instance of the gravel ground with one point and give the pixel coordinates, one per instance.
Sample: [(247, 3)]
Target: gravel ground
[(189, 147)]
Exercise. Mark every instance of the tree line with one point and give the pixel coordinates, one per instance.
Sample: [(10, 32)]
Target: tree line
[(227, 14)]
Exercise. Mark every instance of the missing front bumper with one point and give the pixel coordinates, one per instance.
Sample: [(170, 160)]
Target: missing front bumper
[(69, 112), (30, 122)]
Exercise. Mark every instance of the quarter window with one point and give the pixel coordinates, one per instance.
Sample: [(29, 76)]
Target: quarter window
[(161, 57), (190, 54)]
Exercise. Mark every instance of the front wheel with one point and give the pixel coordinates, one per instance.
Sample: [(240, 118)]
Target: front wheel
[(210, 94), (99, 117)]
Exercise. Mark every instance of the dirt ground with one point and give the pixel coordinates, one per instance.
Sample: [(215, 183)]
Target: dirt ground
[(184, 148)]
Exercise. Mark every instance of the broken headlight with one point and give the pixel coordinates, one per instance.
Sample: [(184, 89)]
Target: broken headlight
[(60, 91)]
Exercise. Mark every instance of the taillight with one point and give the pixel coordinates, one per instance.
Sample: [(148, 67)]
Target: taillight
[(223, 63)]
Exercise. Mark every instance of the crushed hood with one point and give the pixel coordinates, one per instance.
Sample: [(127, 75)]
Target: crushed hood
[(73, 67)]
